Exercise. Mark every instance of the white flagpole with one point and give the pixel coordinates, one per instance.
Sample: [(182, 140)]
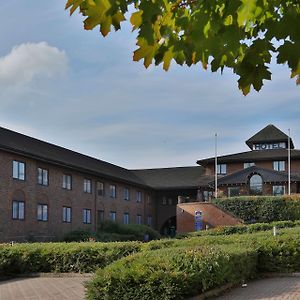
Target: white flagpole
[(289, 162), (216, 168)]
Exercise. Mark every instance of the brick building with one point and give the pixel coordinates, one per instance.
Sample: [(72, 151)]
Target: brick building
[(47, 190)]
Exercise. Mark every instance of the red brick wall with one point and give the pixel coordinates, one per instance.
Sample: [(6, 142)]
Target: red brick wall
[(211, 214)]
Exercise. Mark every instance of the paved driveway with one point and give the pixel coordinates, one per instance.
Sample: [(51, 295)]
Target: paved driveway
[(43, 288)]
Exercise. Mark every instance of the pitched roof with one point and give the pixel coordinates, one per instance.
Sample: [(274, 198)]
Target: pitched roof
[(21, 144), (174, 178), (269, 134), (253, 156), (242, 177)]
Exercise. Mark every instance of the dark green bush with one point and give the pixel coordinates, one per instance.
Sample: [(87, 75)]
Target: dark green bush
[(78, 236), (172, 273), (61, 257), (262, 208)]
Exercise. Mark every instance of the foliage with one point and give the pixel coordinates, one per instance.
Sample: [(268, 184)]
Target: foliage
[(61, 257), (239, 35), (78, 236), (262, 208), (173, 273)]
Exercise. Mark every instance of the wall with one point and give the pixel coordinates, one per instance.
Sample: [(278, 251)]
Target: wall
[(211, 214)]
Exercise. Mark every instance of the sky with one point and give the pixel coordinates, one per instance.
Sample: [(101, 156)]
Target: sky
[(74, 88)]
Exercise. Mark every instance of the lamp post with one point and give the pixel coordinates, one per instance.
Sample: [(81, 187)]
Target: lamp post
[(216, 167), (289, 163)]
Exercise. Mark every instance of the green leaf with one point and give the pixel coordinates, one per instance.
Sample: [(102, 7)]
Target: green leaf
[(136, 19)]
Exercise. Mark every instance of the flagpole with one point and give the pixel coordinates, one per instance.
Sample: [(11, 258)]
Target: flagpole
[(216, 168), (289, 162)]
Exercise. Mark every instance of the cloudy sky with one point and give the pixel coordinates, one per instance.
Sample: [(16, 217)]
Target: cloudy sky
[(73, 88)]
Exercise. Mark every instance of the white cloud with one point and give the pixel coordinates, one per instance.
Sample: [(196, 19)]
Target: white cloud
[(30, 60)]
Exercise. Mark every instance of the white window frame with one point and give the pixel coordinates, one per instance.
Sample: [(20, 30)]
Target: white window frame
[(67, 182), (18, 170), (42, 212), (87, 186), (126, 218), (138, 196), (67, 214), (18, 210), (87, 216), (279, 165), (248, 164), (43, 178), (221, 169), (278, 186), (113, 191), (126, 194)]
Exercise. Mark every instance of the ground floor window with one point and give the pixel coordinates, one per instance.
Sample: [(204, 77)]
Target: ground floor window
[(87, 216), (42, 212), (100, 216), (67, 214), (113, 216), (207, 195), (278, 190), (126, 219), (138, 219), (256, 184), (233, 191), (18, 210)]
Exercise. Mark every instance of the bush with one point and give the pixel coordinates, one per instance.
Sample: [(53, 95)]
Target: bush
[(173, 273), (262, 208), (61, 257), (78, 236)]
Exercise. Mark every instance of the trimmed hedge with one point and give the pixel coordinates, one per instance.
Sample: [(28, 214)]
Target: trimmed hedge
[(61, 257), (262, 208), (195, 265), (173, 273)]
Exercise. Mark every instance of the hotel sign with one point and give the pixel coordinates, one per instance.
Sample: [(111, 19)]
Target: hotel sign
[(198, 220), (268, 146)]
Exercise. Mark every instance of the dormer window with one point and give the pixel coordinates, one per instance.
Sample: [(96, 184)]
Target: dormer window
[(279, 165)]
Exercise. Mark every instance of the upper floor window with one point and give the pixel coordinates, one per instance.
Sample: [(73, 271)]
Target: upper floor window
[(138, 196), (67, 182), (164, 200), (18, 170), (42, 176), (18, 210), (221, 169), (42, 212), (87, 186), (100, 188), (248, 164), (148, 199), (126, 219), (126, 194), (67, 214), (279, 165), (113, 191), (256, 184), (87, 216)]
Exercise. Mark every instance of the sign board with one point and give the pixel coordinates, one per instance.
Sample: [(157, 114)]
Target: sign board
[(268, 146), (198, 220)]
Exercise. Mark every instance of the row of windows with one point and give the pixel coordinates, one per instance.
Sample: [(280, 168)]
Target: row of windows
[(277, 166), (18, 213), (167, 201), (256, 188), (43, 179)]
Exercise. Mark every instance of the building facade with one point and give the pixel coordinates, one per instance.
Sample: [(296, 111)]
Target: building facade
[(47, 191)]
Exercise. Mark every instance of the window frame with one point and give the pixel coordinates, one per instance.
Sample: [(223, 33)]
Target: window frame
[(87, 186), (221, 169), (277, 186), (42, 219), (126, 218), (138, 196), (126, 194), (139, 219), (66, 184), (113, 191), (18, 202), (279, 165), (87, 216), (100, 188), (41, 176), (18, 176), (113, 213), (65, 214)]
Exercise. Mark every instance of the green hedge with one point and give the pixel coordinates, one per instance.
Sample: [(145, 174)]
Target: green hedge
[(192, 266), (172, 273), (61, 257), (262, 208)]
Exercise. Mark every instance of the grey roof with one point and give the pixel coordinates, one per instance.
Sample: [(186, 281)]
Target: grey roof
[(174, 178), (253, 156), (269, 134), (21, 144), (242, 177)]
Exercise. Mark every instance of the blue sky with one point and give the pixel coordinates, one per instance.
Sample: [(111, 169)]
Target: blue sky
[(72, 87)]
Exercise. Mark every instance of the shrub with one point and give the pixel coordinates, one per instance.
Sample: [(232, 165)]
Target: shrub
[(77, 236), (262, 208), (172, 273)]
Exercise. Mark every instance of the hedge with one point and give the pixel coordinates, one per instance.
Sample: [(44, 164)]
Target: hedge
[(61, 257), (262, 208), (191, 268), (173, 273)]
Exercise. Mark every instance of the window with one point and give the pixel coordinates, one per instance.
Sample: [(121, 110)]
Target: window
[(126, 219), (221, 169), (67, 214), (139, 196), (18, 170), (126, 194), (256, 184), (248, 164), (18, 210), (113, 216), (279, 165), (87, 186), (100, 216), (87, 216), (42, 176), (67, 182), (113, 191), (164, 200), (278, 190), (42, 212), (170, 201), (138, 219), (149, 220), (207, 195), (100, 188), (233, 191), (148, 199)]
